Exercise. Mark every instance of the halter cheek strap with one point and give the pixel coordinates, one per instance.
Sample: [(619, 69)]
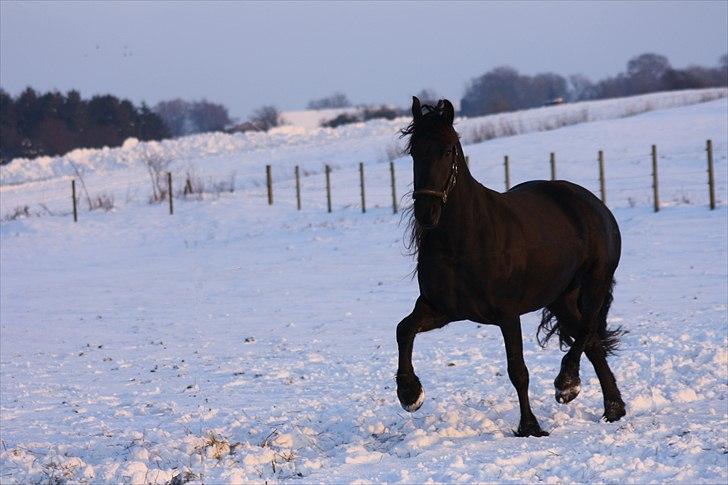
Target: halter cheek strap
[(451, 179)]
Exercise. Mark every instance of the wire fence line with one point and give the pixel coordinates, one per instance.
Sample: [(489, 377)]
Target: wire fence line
[(386, 185)]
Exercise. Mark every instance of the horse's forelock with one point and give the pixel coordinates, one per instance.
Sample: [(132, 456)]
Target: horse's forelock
[(433, 124)]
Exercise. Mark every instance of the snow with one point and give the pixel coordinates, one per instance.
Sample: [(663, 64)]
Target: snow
[(312, 118), (240, 342)]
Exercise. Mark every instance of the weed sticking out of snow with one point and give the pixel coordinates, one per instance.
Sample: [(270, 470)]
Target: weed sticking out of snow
[(17, 213)]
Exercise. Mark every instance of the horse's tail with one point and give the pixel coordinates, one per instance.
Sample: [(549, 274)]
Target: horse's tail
[(550, 326), (566, 330), (609, 337)]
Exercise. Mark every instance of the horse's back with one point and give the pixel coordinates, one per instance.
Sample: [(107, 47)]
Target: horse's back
[(561, 189)]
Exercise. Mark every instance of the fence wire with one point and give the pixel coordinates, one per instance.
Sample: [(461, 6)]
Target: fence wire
[(682, 177)]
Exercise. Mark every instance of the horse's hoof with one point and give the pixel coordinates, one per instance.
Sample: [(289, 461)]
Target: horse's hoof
[(613, 411), (410, 393), (415, 405), (532, 429), (567, 395), (567, 388)]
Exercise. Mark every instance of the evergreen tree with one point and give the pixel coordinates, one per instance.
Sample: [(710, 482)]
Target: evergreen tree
[(35, 124)]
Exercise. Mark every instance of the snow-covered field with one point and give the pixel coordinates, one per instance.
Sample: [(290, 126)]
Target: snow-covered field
[(237, 342)]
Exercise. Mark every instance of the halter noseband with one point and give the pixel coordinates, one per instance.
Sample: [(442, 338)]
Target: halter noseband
[(451, 179)]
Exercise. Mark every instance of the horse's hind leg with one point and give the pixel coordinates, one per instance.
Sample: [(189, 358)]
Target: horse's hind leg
[(518, 373), (423, 318), (596, 350), (568, 317), (567, 313), (613, 404), (591, 296)]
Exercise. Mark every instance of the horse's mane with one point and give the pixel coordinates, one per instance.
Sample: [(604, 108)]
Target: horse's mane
[(433, 124), (414, 232)]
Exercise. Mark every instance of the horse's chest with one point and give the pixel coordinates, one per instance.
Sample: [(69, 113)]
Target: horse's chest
[(455, 285)]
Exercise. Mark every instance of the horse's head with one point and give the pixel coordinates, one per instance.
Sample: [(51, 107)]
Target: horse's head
[(433, 145)]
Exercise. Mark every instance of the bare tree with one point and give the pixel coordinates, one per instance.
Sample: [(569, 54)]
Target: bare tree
[(157, 165), (185, 118), (545, 88), (649, 63), (175, 114), (646, 71), (581, 88), (265, 117), (500, 89), (335, 100), (207, 116), (428, 96)]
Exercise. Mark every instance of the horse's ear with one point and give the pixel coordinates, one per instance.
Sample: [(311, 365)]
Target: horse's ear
[(448, 111), (416, 108)]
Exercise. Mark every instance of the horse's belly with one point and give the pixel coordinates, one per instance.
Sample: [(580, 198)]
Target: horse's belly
[(457, 292), (523, 282), (542, 275)]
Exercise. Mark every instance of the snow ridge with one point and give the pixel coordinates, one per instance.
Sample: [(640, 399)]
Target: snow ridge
[(383, 131)]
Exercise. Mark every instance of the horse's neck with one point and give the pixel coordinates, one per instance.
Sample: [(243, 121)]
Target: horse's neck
[(470, 208)]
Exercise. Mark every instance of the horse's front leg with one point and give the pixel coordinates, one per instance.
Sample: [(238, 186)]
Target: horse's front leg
[(422, 319), (518, 373)]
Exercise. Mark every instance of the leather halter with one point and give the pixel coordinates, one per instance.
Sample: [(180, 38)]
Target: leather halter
[(451, 179)]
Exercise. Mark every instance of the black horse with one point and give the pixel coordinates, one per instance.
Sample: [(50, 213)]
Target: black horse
[(490, 257)]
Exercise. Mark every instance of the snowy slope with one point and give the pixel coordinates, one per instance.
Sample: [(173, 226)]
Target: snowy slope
[(366, 142), (312, 118), (237, 342)]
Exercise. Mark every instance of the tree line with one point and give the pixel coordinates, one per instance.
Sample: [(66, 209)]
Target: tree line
[(34, 124), (505, 89)]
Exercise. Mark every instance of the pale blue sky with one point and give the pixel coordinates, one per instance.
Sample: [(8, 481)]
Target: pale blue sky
[(248, 54)]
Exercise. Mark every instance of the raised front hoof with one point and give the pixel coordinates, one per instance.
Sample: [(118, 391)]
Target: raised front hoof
[(410, 392), (530, 429), (613, 411), (567, 388)]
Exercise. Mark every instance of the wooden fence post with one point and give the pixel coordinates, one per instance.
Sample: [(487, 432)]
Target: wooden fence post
[(656, 194), (508, 173), (394, 188), (169, 192), (361, 183), (552, 160), (602, 184), (328, 187), (711, 182), (73, 197), (269, 183), (298, 188)]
